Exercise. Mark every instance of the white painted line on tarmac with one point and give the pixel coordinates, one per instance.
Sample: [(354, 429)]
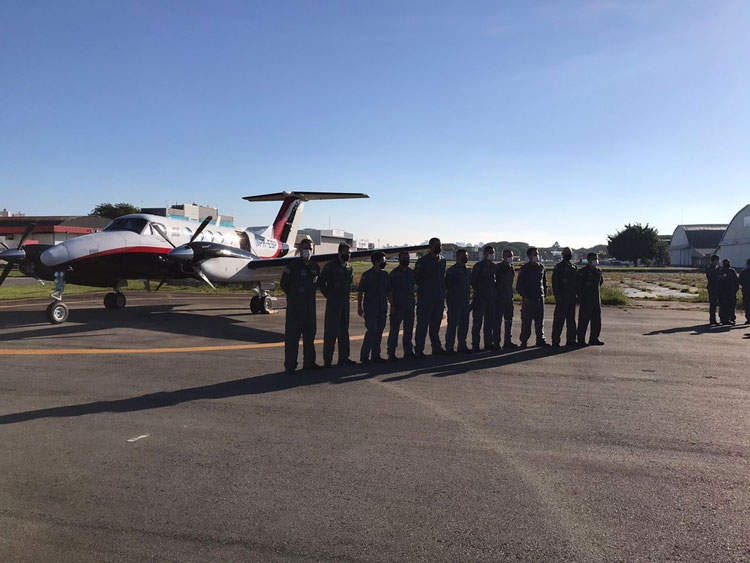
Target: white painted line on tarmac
[(141, 437)]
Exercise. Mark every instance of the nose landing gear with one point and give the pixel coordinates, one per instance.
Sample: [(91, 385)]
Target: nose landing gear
[(57, 311), (262, 302)]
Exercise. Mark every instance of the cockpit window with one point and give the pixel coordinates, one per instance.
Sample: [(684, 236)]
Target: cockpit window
[(133, 224)]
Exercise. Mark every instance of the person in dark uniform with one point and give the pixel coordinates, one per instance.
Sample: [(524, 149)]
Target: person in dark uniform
[(745, 283), (300, 282), (458, 291), (532, 286), (564, 287), (504, 300), (483, 303), (590, 280), (713, 275), (335, 284), (374, 287), (402, 307), (729, 283), (429, 273)]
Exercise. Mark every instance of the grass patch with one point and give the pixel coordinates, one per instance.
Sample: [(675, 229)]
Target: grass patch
[(614, 296)]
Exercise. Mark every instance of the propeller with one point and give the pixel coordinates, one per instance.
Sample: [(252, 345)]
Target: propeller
[(17, 255), (185, 252)]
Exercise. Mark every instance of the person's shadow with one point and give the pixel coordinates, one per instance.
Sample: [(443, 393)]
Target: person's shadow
[(437, 366), (695, 329)]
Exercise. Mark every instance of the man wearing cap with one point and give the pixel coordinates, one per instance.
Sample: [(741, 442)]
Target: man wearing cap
[(483, 303), (729, 283), (590, 279), (402, 306), (458, 289), (372, 304), (745, 283), (429, 273), (300, 282), (532, 286), (504, 300), (564, 287), (335, 284)]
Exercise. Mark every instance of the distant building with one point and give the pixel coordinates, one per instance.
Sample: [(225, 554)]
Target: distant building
[(5, 213), (326, 241), (49, 229), (693, 245), (735, 242), (191, 212)]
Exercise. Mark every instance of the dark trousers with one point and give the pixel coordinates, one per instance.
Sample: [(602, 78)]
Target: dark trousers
[(458, 322), (374, 326), (713, 302), (532, 309), (746, 303), (483, 311), (397, 317), (300, 321), (429, 317), (590, 311), (728, 308), (565, 314), (504, 313), (336, 328)]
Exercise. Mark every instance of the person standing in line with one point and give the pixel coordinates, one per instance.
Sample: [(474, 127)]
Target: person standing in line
[(729, 283), (564, 288), (300, 282), (713, 278), (745, 283), (372, 304), (429, 274), (504, 300), (532, 286), (590, 279), (458, 289), (483, 303), (402, 307), (335, 284)]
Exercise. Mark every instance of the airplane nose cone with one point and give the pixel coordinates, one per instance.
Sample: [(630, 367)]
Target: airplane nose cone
[(55, 256), (182, 253), (13, 255)]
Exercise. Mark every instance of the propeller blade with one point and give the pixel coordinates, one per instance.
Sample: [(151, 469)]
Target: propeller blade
[(159, 229), (26, 233), (203, 276), (199, 230), (5, 246), (6, 271)]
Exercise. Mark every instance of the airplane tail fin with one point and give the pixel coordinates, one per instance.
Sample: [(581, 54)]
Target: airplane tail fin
[(285, 226)]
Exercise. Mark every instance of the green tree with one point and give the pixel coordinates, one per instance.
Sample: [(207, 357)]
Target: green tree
[(114, 210), (634, 242), (661, 255)]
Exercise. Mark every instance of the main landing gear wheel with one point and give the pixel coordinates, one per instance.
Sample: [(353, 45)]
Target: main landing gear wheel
[(261, 304), (114, 300), (57, 312), (255, 305)]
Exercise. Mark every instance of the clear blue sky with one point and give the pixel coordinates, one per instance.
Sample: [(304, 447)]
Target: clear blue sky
[(472, 121)]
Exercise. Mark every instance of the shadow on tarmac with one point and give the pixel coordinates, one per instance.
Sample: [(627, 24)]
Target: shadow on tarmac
[(696, 329), (437, 366), (158, 318)]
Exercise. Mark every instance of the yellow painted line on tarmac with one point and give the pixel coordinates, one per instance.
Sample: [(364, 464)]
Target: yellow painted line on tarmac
[(186, 349)]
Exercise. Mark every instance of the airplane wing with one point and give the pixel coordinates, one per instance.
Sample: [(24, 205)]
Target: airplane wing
[(321, 258)]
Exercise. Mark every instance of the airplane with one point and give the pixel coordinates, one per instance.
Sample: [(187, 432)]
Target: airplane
[(150, 247)]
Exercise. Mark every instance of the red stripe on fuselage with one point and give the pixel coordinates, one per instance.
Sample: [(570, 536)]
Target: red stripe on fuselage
[(126, 250)]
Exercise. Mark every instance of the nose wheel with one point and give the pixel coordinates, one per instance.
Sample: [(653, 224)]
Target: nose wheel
[(57, 312), (261, 304)]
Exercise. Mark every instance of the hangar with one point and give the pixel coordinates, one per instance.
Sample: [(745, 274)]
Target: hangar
[(693, 245), (50, 229), (735, 244)]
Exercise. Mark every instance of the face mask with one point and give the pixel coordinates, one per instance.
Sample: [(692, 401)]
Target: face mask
[(404, 262), (595, 262), (464, 259), (437, 249), (345, 257), (306, 253), (534, 259), (509, 259), (491, 257)]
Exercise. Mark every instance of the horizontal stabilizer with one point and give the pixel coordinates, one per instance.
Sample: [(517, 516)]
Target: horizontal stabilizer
[(304, 196)]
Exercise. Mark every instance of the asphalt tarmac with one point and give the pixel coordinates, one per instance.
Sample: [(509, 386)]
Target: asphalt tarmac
[(167, 432)]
